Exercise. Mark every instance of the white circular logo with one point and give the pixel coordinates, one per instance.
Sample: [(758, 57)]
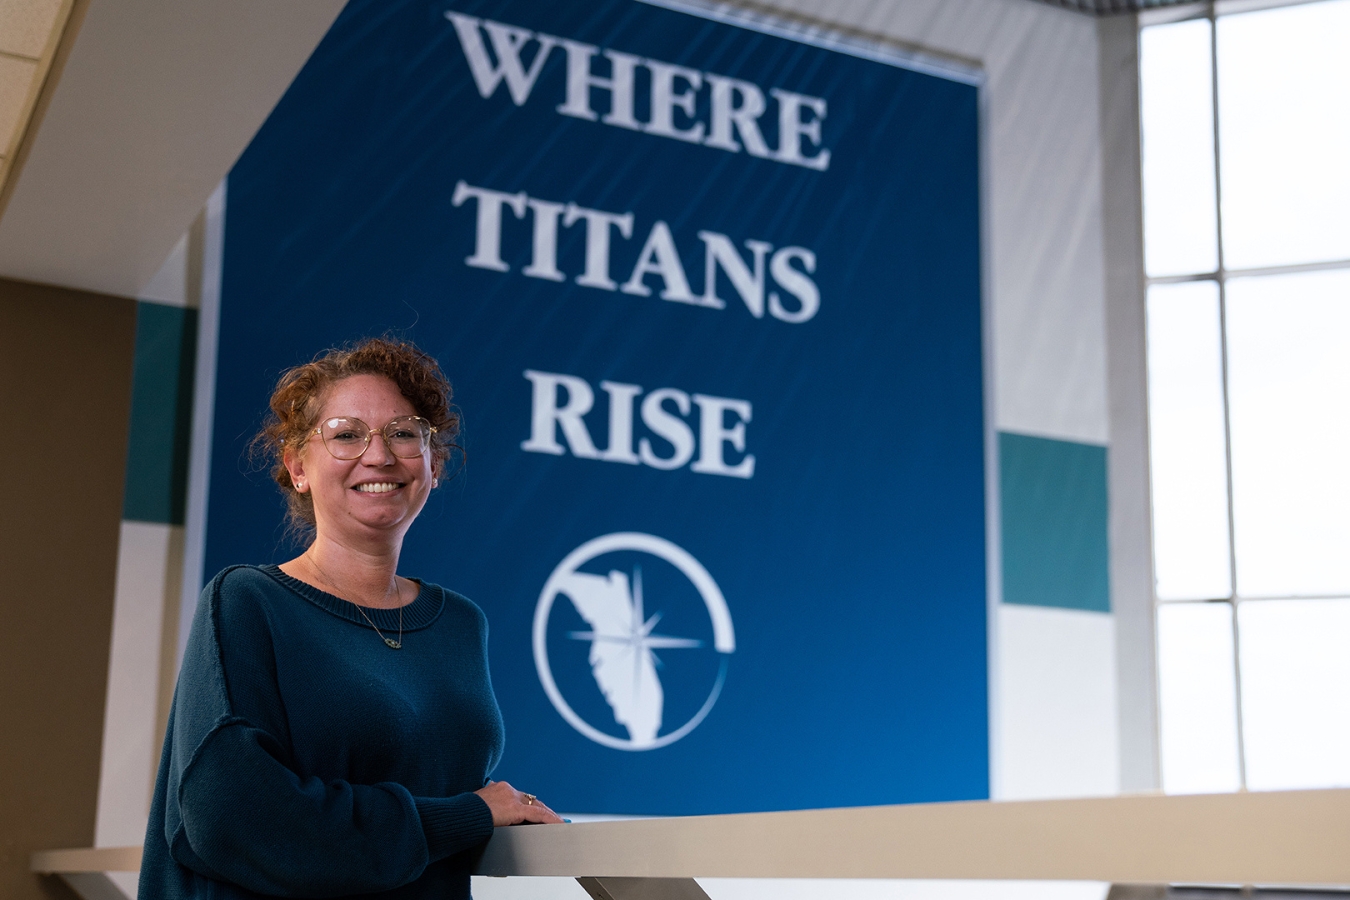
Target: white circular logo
[(622, 642)]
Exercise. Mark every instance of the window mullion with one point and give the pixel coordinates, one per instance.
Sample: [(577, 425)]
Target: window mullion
[(1223, 361)]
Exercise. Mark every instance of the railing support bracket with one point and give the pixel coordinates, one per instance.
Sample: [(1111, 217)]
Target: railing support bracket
[(642, 888)]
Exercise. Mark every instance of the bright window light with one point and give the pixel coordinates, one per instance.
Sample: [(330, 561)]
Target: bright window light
[(1197, 698), (1249, 368), (1284, 134), (1296, 693), (1186, 442), (1178, 149), (1289, 411)]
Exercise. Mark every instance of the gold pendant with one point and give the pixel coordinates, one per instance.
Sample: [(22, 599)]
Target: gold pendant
[(393, 644)]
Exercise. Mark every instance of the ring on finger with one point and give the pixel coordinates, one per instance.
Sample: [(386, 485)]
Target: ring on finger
[(529, 799)]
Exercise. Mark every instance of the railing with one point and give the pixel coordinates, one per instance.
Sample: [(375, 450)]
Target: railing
[(1286, 838)]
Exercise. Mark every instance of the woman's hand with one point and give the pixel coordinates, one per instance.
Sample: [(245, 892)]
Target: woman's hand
[(512, 807)]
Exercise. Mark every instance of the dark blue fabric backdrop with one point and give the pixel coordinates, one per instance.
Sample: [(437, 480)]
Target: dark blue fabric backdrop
[(852, 562)]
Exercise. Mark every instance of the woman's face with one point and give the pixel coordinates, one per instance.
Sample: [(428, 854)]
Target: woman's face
[(377, 494)]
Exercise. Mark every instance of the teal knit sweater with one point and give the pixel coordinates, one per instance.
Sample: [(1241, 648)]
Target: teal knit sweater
[(304, 758)]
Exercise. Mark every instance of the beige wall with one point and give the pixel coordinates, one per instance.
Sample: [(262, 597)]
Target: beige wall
[(65, 368)]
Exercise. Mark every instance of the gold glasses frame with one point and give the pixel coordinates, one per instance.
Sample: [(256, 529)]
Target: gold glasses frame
[(383, 432)]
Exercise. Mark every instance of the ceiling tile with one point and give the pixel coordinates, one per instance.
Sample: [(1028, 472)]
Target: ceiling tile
[(15, 77), (25, 25)]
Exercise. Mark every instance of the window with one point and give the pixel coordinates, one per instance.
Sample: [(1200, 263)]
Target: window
[(1246, 174)]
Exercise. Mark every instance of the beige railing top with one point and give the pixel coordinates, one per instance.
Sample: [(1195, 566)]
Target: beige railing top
[(1274, 838)]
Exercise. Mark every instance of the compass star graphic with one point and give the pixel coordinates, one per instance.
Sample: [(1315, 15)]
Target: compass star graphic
[(624, 643), (623, 657)]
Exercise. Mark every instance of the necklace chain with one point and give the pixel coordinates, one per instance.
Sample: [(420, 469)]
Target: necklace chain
[(398, 592)]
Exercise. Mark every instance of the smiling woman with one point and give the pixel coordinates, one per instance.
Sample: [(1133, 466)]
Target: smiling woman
[(305, 395), (302, 756)]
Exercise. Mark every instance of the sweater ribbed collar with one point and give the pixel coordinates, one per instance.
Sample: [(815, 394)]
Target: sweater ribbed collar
[(420, 613)]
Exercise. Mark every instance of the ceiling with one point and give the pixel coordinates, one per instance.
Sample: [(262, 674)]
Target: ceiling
[(156, 100), (30, 31)]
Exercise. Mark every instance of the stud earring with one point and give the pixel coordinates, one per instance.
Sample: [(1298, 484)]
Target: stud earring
[(435, 482)]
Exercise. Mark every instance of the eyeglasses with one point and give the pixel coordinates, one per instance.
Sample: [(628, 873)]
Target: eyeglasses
[(347, 437)]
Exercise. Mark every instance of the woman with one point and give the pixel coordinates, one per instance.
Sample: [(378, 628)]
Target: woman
[(334, 723)]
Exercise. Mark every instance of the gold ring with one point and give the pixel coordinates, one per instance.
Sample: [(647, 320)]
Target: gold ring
[(530, 798)]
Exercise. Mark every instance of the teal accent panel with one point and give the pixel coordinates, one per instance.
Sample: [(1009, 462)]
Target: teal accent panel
[(1053, 498), (161, 414)]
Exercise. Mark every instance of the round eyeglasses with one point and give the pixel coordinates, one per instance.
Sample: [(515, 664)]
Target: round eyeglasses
[(347, 437)]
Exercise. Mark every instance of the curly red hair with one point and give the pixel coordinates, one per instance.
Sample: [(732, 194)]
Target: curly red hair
[(297, 401)]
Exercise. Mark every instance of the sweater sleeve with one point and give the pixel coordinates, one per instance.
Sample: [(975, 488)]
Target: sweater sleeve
[(237, 811)]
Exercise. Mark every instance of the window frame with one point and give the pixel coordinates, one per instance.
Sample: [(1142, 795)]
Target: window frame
[(1220, 275)]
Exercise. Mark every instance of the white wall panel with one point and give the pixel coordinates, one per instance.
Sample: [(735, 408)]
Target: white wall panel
[(149, 566), (169, 285), (1057, 734)]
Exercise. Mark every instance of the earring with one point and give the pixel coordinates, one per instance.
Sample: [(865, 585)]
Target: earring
[(300, 487), (435, 482)]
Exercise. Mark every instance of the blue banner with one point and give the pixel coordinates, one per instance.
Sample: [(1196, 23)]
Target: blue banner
[(710, 299)]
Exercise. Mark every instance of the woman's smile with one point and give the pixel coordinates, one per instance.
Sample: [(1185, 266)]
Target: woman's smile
[(378, 487)]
